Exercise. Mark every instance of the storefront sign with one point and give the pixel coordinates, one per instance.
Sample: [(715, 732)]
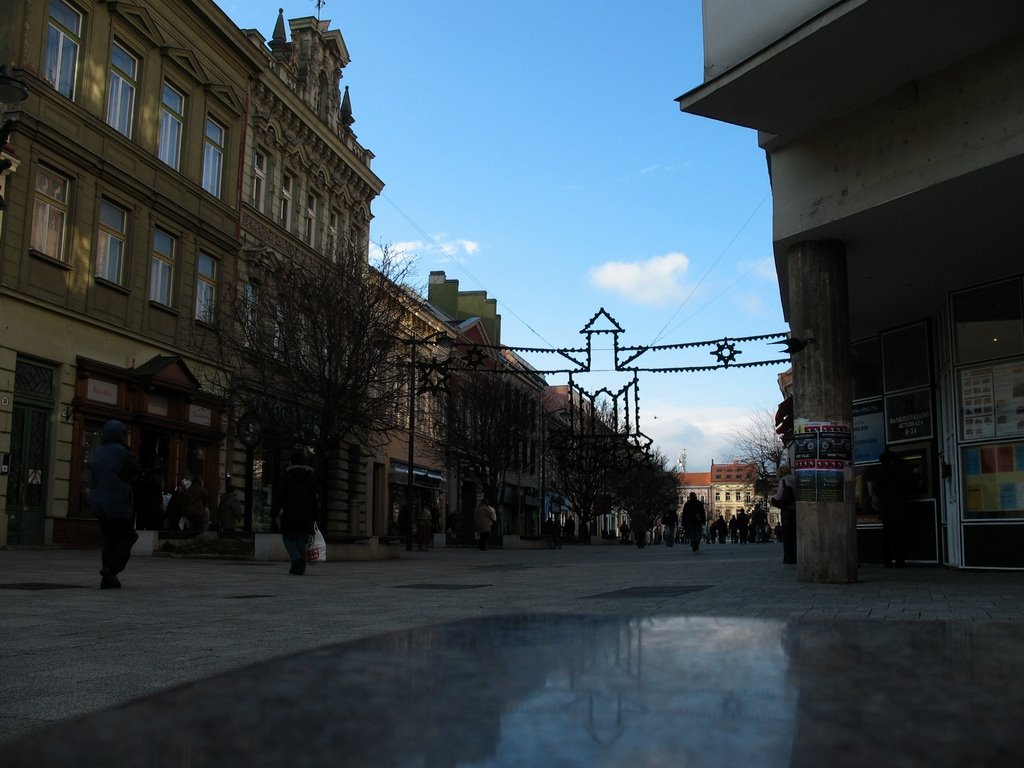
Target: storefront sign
[(101, 391), (908, 416), (157, 404), (201, 415), (822, 459)]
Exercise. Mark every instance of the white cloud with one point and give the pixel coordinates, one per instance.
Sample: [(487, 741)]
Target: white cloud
[(454, 250), (750, 303), (656, 281)]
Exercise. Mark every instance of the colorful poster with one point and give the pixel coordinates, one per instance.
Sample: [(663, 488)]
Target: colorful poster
[(992, 401), (822, 459)]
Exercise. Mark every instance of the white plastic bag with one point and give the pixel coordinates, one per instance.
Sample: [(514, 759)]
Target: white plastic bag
[(316, 547)]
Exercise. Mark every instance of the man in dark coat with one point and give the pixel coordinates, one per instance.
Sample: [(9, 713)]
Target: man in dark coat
[(298, 510), (694, 518), (893, 483), (114, 469)]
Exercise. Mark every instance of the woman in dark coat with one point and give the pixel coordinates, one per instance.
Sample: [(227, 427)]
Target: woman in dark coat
[(298, 510)]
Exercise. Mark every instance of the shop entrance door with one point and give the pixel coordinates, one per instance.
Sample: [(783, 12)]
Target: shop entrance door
[(27, 481)]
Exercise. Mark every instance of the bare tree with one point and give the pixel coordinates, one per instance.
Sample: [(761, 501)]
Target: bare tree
[(588, 456), (490, 420), (756, 443), (648, 487), (312, 349)]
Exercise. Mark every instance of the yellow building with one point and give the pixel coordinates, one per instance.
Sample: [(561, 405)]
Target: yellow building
[(120, 227)]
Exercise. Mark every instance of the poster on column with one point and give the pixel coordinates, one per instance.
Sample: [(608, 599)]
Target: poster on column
[(822, 458)]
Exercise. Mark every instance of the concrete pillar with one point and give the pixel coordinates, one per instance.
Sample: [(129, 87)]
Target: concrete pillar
[(822, 394)]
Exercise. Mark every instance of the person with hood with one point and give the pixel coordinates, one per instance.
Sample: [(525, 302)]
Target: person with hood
[(114, 469), (298, 510)]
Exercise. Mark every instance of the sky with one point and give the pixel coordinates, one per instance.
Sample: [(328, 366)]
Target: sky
[(534, 150)]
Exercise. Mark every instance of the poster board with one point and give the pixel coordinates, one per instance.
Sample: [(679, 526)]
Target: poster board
[(822, 459), (992, 401)]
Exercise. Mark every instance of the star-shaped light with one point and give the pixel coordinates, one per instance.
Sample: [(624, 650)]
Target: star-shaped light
[(434, 377), (725, 352)]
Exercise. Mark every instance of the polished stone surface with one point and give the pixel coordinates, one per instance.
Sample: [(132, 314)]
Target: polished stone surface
[(593, 690)]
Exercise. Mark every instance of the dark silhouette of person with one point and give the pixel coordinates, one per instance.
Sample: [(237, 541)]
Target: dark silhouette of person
[(893, 485), (743, 525), (694, 518), (298, 507), (785, 500), (114, 469)]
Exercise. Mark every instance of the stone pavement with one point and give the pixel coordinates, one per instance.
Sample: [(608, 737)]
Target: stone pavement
[(68, 648)]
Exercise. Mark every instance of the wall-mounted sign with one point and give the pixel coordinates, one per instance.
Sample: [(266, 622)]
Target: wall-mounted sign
[(100, 391), (908, 416), (200, 414), (157, 405), (868, 431)]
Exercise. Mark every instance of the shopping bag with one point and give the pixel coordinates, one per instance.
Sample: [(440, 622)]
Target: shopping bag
[(316, 547)]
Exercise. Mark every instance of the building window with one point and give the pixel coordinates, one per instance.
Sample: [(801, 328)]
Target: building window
[(252, 297), (172, 118), (161, 267), (50, 214), (206, 287), (285, 214), (259, 178), (213, 156), (63, 39), (312, 206), (332, 233), (110, 242), (121, 90), (987, 322)]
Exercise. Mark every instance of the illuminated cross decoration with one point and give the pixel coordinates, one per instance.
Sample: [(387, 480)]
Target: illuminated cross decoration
[(623, 391)]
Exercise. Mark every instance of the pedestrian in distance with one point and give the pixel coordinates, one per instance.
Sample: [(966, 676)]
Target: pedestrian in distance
[(197, 505), (694, 518), (743, 525), (785, 500), (111, 498), (229, 509), (669, 520), (484, 517), (638, 525), (297, 510)]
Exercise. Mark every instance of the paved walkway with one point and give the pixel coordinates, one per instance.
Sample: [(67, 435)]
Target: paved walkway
[(68, 648)]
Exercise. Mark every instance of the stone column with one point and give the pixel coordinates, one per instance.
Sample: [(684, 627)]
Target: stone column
[(822, 393)]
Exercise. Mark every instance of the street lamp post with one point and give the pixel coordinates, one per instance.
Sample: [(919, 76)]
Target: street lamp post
[(440, 339)]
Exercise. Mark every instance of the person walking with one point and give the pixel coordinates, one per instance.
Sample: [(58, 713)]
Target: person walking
[(669, 520), (298, 510), (638, 525), (197, 505), (114, 469), (229, 510), (484, 517), (785, 500), (694, 518), (743, 525)]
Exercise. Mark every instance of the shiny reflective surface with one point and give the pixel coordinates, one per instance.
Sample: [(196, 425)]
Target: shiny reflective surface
[(587, 690)]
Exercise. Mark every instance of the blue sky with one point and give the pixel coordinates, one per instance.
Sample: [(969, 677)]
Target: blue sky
[(534, 150)]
